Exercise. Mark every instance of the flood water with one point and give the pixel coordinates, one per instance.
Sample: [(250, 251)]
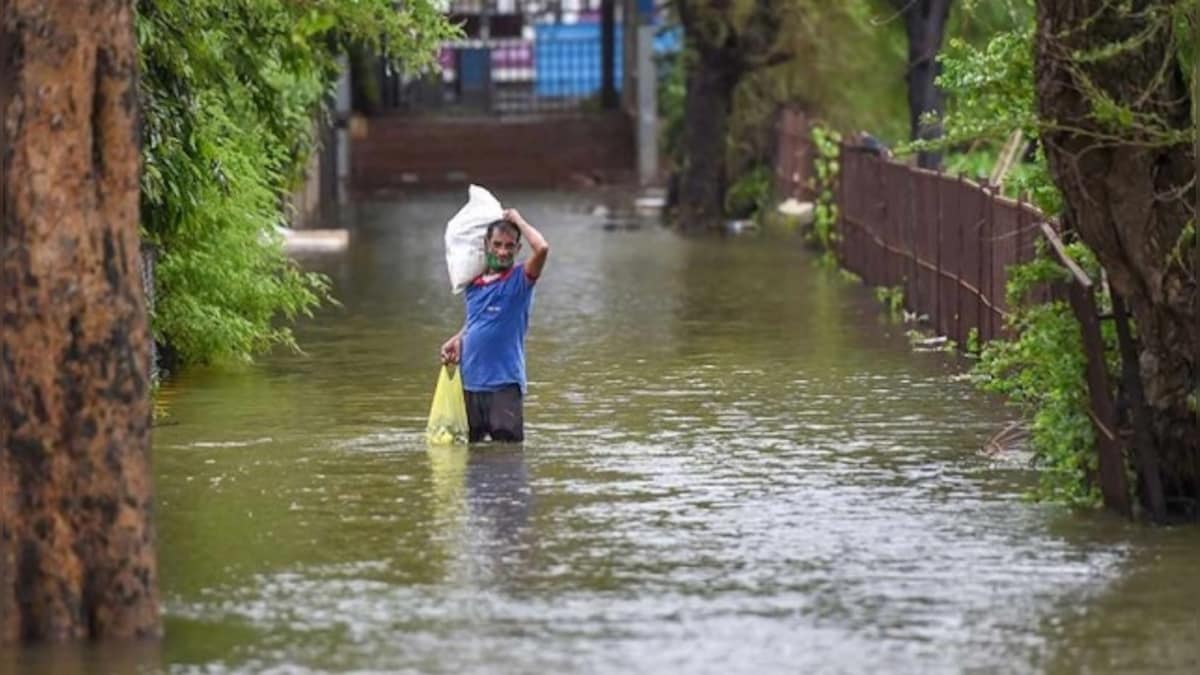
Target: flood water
[(734, 463)]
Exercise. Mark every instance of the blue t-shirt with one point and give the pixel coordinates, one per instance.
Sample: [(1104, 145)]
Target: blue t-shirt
[(493, 343)]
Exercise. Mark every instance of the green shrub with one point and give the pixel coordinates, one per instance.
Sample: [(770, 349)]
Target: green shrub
[(826, 167), (750, 193), (1042, 371)]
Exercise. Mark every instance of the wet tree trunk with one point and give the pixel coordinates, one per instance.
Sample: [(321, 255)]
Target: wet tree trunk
[(925, 24), (707, 103), (1129, 200), (76, 540), (721, 51)]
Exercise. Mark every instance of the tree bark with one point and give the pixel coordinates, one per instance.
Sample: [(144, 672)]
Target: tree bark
[(707, 104), (76, 538), (1129, 200), (925, 24), (721, 52)]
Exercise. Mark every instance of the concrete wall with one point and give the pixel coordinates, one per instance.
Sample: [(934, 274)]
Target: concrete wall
[(314, 199), (410, 152)]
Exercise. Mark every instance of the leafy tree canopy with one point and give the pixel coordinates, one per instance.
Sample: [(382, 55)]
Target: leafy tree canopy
[(231, 91)]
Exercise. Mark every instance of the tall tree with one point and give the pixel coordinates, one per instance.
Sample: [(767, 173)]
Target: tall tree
[(725, 41), (1112, 92), (76, 538), (925, 24)]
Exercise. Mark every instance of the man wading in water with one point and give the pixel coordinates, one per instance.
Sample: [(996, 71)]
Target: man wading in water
[(491, 344)]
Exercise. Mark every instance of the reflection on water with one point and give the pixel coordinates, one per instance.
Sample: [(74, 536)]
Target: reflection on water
[(733, 463), (483, 505)]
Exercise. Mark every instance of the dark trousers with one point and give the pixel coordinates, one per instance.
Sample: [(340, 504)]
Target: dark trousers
[(498, 414)]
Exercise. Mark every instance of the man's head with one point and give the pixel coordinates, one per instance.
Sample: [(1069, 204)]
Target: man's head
[(501, 244)]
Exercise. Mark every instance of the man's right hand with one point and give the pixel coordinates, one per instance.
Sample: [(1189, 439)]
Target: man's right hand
[(452, 350)]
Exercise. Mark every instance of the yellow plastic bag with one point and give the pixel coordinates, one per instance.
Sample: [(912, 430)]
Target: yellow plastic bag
[(448, 413)]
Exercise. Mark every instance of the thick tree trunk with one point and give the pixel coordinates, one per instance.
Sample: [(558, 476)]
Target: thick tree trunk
[(710, 83), (1129, 200), (925, 23), (721, 51), (76, 540)]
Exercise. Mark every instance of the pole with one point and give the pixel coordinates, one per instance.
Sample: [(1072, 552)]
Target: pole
[(629, 58), (608, 53), (342, 117), (647, 102)]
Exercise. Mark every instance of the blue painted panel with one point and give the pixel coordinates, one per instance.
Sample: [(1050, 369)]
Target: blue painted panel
[(566, 57), (474, 68)]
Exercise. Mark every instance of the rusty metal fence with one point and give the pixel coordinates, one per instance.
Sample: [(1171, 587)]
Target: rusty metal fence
[(793, 156), (947, 241), (950, 243)]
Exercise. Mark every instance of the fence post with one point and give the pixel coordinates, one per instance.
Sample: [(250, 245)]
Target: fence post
[(1104, 414), (889, 224), (940, 320), (962, 246), (781, 143), (879, 217), (1135, 396), (979, 306), (608, 51), (1020, 236), (1081, 294), (647, 103), (1019, 251), (880, 226), (988, 241), (912, 283), (838, 232)]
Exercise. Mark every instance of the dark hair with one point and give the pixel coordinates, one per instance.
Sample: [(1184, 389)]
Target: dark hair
[(504, 226)]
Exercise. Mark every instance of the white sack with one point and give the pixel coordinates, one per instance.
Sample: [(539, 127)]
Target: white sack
[(464, 236)]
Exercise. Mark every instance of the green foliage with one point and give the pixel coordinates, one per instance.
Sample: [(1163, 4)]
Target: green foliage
[(1028, 179), (672, 90), (892, 297), (863, 42), (1042, 372), (814, 49), (1185, 35), (828, 45), (973, 346), (1141, 121), (989, 88), (975, 165), (231, 90), (826, 168), (1189, 240), (843, 273), (825, 46), (989, 92), (750, 193)]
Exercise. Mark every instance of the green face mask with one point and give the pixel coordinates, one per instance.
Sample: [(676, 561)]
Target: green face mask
[(495, 263)]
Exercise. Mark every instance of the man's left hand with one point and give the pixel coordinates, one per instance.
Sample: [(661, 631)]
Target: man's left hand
[(513, 216)]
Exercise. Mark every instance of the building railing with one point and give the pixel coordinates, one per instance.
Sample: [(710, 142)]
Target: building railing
[(551, 68)]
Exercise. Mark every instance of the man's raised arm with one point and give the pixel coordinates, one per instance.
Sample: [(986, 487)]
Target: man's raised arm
[(541, 249)]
